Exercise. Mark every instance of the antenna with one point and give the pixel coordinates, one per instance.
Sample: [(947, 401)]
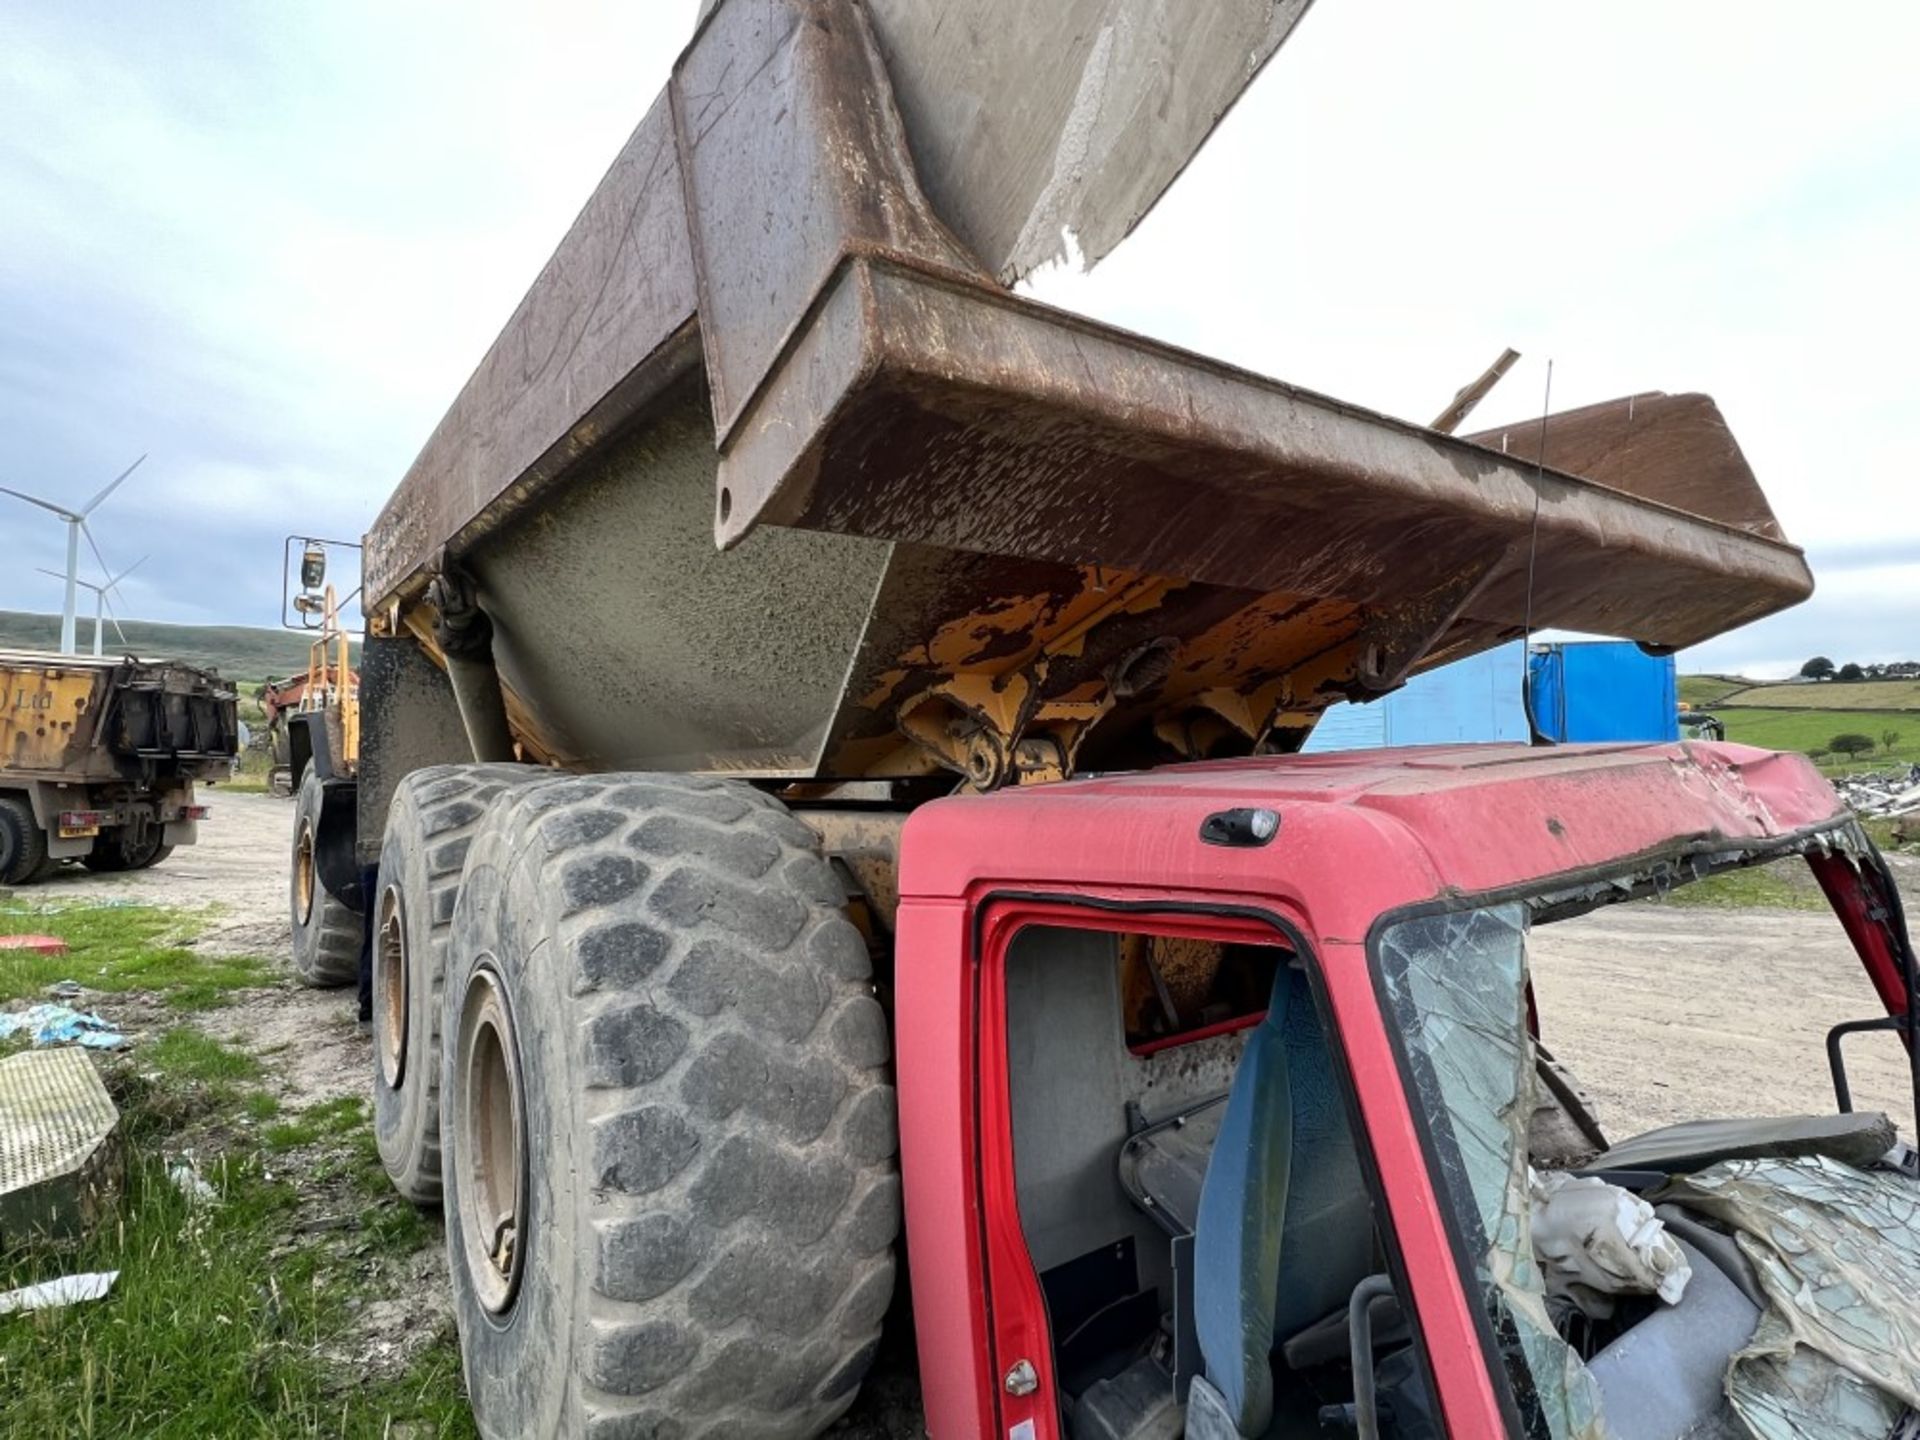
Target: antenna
[(76, 522)]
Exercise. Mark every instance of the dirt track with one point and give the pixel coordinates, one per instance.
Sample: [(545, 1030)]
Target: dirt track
[(1670, 1012), (240, 866)]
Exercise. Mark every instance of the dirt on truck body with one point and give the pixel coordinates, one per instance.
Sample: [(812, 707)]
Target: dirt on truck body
[(730, 628), (98, 759)]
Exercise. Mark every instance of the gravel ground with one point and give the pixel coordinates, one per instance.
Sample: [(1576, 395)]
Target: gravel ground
[(1665, 1012), (1670, 1012)]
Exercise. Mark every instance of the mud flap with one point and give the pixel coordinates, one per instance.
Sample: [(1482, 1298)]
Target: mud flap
[(333, 843)]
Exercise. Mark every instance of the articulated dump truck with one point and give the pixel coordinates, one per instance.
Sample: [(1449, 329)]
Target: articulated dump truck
[(826, 814), (98, 759)]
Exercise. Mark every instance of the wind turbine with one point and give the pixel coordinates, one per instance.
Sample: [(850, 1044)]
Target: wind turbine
[(76, 523), (100, 605)]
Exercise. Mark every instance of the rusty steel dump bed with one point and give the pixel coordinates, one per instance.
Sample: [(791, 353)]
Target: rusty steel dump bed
[(76, 719), (769, 473)]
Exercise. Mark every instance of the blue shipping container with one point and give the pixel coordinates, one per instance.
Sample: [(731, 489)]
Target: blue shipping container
[(1474, 699), (1599, 690), (1604, 690)]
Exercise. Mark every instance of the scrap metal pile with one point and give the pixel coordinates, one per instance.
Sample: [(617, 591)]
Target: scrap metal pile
[(1885, 793)]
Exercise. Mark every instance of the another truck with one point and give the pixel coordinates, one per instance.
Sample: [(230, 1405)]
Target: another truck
[(827, 810), (98, 759)]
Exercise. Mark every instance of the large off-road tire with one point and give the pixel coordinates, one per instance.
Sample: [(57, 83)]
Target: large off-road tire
[(668, 1124), (23, 844), (326, 934), (430, 823)]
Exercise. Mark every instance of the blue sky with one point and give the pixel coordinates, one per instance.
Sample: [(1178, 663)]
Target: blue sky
[(266, 244)]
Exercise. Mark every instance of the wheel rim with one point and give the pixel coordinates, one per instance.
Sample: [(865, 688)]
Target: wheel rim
[(492, 1170), (391, 987), (303, 873)]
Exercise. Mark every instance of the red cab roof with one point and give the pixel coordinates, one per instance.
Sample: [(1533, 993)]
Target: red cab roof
[(1379, 828)]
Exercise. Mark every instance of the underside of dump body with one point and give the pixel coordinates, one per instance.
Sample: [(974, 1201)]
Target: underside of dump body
[(770, 474)]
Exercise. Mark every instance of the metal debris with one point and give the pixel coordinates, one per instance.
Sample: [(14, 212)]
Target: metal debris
[(1882, 793), (51, 1294)]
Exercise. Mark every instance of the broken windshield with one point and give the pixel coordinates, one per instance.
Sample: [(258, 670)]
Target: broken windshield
[(1456, 985), (1768, 1215)]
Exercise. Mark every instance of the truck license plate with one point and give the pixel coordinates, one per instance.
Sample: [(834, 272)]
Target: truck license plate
[(78, 832)]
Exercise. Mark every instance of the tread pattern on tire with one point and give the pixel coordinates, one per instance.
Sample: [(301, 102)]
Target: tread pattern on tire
[(442, 805), (326, 951), (741, 1173), (26, 840)]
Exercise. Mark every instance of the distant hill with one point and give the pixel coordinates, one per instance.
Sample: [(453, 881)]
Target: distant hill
[(1704, 690), (238, 652)]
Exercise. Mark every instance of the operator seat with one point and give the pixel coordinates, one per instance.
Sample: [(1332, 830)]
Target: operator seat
[(1285, 1228)]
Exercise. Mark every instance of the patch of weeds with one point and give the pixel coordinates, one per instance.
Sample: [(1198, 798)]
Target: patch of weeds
[(123, 947), (1762, 887), (397, 1226), (329, 1119), (1880, 830), (186, 1054), (260, 1105), (431, 1394)]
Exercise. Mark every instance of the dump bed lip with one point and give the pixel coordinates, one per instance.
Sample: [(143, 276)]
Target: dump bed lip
[(980, 339), (53, 659), (909, 350)]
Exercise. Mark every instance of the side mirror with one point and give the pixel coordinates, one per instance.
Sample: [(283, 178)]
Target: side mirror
[(304, 588)]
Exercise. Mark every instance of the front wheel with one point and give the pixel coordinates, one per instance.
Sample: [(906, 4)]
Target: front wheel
[(668, 1130), (326, 933)]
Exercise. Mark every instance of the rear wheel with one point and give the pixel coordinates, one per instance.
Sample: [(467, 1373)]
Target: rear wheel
[(23, 844), (326, 934), (115, 852), (430, 824), (668, 1128)]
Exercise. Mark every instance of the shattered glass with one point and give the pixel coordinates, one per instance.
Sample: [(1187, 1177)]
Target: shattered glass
[(1837, 1251), (1456, 984)]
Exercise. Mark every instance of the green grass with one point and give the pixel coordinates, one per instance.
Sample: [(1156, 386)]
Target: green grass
[(224, 1315), (1761, 887), (330, 1119), (1705, 691), (184, 1053), (1836, 695), (1806, 730), (120, 948)]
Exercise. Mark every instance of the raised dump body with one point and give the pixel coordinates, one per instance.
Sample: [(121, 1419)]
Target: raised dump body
[(98, 758), (770, 475)]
